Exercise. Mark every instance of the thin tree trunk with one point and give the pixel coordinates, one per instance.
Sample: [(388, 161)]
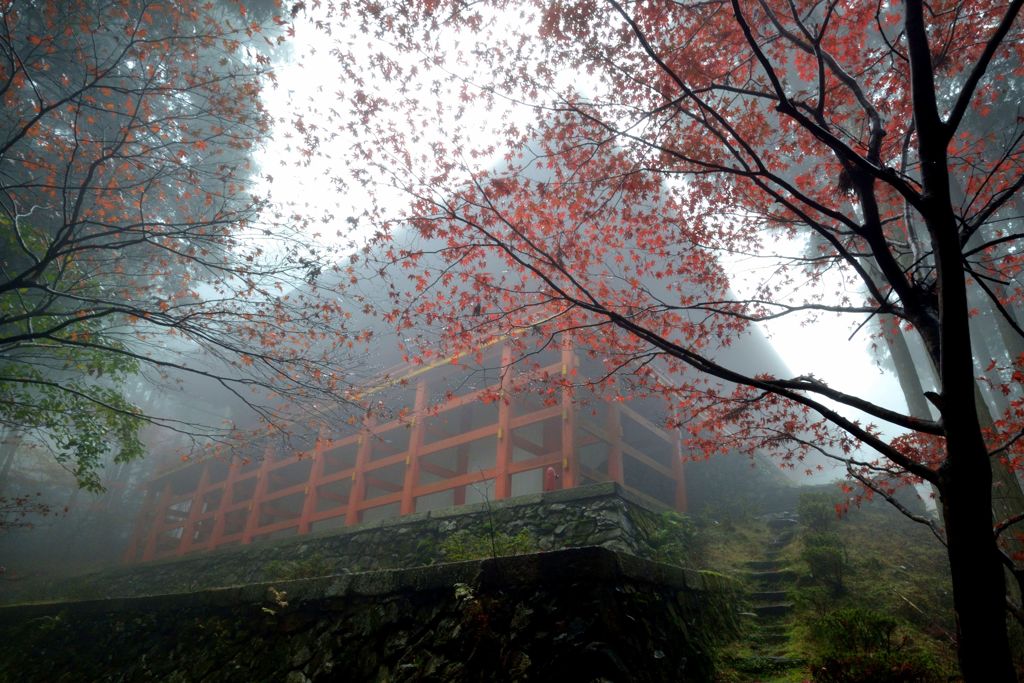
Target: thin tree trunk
[(906, 372), (11, 441)]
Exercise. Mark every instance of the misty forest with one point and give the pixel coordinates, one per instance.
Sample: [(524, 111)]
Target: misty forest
[(579, 340)]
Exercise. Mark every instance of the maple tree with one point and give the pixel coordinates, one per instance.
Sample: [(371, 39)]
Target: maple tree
[(650, 141), (141, 265)]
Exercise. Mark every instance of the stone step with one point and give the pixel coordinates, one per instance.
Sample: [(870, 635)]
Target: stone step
[(768, 664), (772, 579), (770, 637), (774, 610), (769, 631), (769, 596), (773, 638), (783, 538), (763, 565), (782, 523)]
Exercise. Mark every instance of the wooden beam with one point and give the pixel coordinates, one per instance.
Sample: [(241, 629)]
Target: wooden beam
[(380, 501), (285, 492), (615, 471), (552, 459), (502, 479), (596, 475), (352, 515), (545, 413), (412, 459), (382, 484), (436, 469), (642, 457), (149, 552), (644, 422), (194, 511), (253, 518), (570, 461), (459, 439), (679, 470), (327, 494), (467, 479), (316, 472), (131, 553), (526, 444)]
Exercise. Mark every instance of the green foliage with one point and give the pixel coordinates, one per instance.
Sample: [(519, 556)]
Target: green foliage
[(858, 645), (892, 619), (856, 630), (79, 422), (305, 568), (827, 559), (677, 540), (812, 600), (63, 386), (816, 511), (469, 545)]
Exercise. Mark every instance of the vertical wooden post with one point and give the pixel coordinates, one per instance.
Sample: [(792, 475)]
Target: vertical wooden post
[(358, 490), (462, 458), (461, 467), (131, 554), (412, 456), (316, 471), (159, 518), (252, 521), (195, 509), (614, 432), (502, 479), (570, 464), (220, 516), (679, 471)]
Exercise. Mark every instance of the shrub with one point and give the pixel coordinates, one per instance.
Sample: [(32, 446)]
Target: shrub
[(676, 540), (826, 559), (816, 511), (466, 545), (858, 645)]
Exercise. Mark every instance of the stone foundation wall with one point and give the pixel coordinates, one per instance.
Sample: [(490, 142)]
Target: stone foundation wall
[(598, 515), (586, 614)]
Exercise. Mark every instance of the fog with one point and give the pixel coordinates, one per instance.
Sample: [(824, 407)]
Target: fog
[(202, 404)]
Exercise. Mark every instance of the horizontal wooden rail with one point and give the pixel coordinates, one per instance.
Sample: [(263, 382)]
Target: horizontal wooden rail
[(188, 510)]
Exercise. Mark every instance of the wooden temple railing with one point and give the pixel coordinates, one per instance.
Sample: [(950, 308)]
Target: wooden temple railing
[(457, 445)]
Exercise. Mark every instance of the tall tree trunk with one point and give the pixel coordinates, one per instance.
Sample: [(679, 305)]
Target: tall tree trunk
[(965, 478), (974, 559), (1012, 341), (907, 373)]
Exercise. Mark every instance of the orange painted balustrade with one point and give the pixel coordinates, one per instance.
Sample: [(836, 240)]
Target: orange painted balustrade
[(463, 437)]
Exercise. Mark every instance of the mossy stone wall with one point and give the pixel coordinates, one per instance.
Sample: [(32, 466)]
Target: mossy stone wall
[(382, 602), (602, 515), (585, 614)]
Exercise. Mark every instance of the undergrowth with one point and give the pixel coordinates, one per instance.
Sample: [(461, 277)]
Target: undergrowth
[(872, 597)]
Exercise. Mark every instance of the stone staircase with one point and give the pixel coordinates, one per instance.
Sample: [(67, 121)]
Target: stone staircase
[(766, 655)]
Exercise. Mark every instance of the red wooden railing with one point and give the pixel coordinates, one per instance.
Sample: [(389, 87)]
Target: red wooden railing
[(447, 451)]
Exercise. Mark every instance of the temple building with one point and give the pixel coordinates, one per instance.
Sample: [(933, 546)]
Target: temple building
[(445, 435)]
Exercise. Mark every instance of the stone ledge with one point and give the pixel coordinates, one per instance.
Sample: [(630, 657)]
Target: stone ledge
[(579, 493), (597, 515), (580, 614), (573, 565)]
